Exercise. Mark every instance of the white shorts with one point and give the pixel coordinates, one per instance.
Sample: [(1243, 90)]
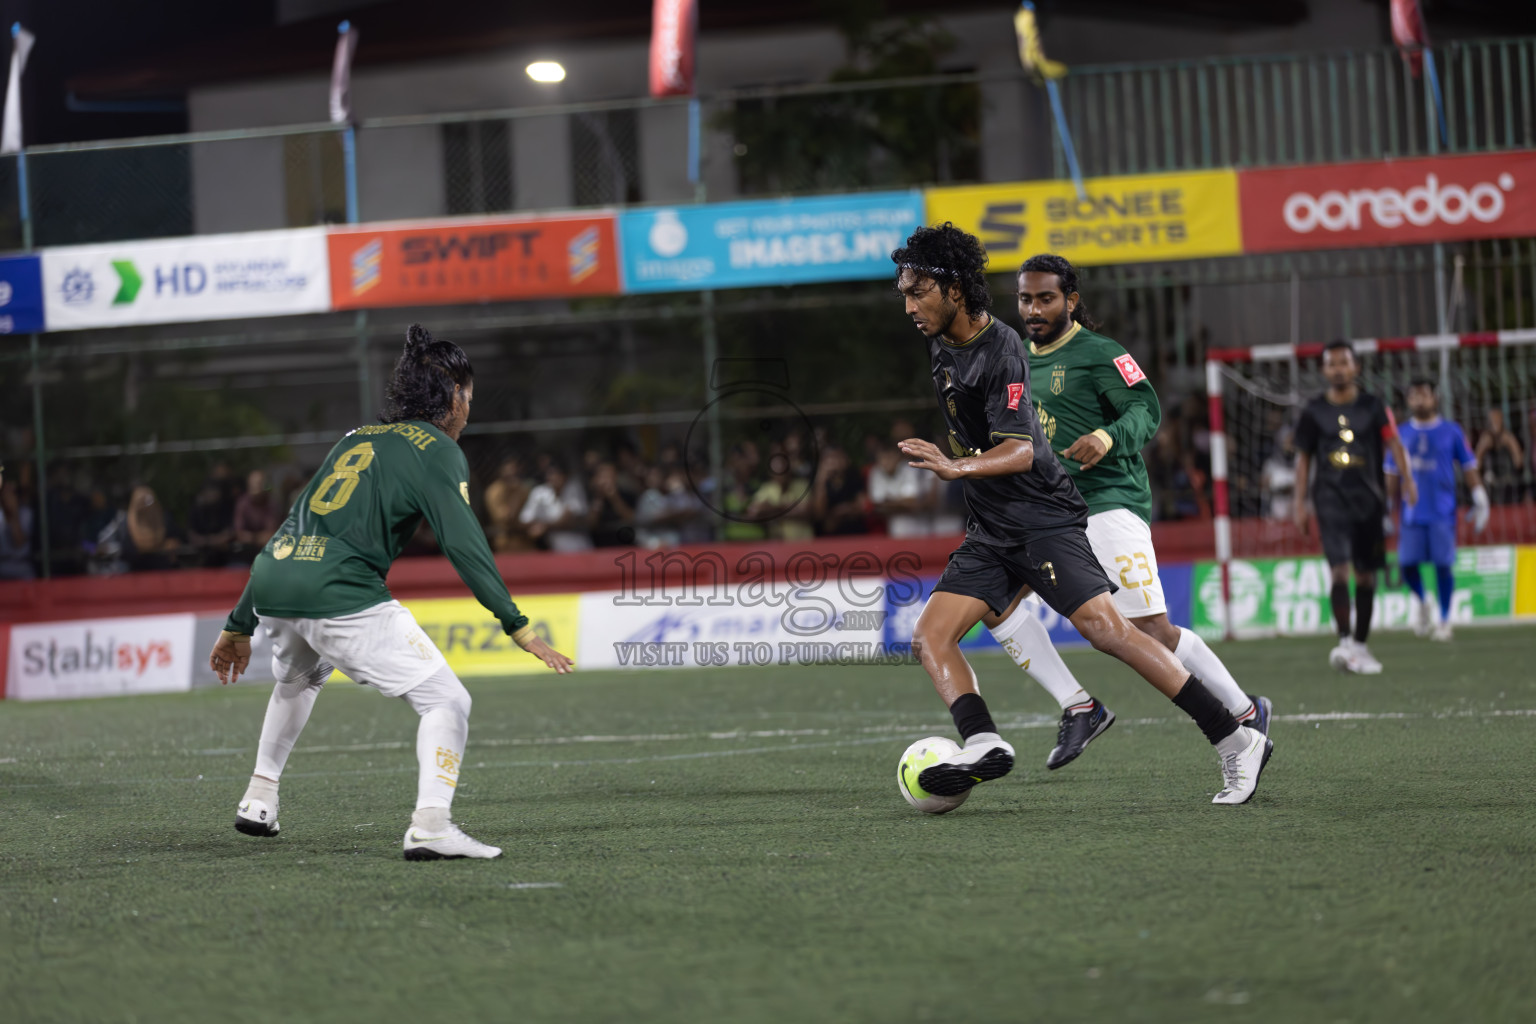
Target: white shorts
[(1122, 541), (381, 646)]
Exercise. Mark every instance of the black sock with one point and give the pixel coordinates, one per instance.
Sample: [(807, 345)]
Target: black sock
[(971, 716), (1338, 597), (1365, 600), (1210, 714)]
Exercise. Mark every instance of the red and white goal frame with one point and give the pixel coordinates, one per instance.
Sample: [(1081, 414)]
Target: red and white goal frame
[(1222, 361)]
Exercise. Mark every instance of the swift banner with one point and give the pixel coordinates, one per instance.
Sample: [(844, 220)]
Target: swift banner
[(473, 261), (1389, 202), (775, 242), (210, 277), (1122, 220)]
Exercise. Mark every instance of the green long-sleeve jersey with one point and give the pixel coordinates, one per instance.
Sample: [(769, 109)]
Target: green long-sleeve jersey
[(332, 554), (1085, 383)]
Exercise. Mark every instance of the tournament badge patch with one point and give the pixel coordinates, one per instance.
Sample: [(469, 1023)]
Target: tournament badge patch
[(1129, 371), (1015, 395)]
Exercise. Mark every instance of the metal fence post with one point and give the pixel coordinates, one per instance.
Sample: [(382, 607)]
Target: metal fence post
[(45, 542), (349, 169)]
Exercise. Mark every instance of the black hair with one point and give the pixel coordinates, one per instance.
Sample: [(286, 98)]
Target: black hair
[(425, 377), (1340, 343), (950, 257), (1424, 382), (1066, 279)]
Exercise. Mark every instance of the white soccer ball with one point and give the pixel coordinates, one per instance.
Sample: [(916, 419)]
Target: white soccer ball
[(918, 756)]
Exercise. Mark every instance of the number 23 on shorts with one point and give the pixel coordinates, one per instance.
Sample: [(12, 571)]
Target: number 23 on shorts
[(1136, 561)]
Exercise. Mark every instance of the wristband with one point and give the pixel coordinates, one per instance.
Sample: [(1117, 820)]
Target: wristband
[(236, 637), (523, 637)]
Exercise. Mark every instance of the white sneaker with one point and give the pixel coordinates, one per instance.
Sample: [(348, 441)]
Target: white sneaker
[(1241, 769), (255, 818), (980, 762), (1442, 632), (423, 845), (1342, 657), (1365, 662), (1423, 617)]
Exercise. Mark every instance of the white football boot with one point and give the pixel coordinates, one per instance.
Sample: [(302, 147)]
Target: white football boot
[(1240, 770), (1342, 657), (1442, 632), (423, 845), (1365, 662), (1423, 617), (256, 818), (981, 761)]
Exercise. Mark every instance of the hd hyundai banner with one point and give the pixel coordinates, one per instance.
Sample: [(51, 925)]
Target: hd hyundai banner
[(773, 242), (1389, 202), (473, 261), (175, 280)]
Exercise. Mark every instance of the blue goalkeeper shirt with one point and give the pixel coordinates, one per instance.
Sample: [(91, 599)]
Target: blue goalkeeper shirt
[(1435, 448)]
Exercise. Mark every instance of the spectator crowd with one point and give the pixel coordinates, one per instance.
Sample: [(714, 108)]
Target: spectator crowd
[(796, 486)]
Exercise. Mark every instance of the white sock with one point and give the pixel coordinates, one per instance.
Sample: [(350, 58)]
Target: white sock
[(431, 820), (261, 789), (1195, 655), (287, 712), (979, 738), (1236, 743), (1024, 638), (443, 704)]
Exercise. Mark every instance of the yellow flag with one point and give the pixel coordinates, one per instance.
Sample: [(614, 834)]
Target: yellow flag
[(1031, 53)]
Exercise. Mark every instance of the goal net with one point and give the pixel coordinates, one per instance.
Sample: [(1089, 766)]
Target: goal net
[(1270, 579)]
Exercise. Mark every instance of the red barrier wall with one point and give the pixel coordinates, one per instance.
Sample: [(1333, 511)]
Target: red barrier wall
[(215, 591)]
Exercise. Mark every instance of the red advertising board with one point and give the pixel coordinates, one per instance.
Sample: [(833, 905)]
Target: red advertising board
[(473, 261), (1389, 202)]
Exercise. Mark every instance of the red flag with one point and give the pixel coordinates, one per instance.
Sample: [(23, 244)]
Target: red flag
[(673, 23), (1409, 34)]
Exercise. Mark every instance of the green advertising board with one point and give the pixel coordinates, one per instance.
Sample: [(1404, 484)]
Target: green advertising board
[(1289, 596)]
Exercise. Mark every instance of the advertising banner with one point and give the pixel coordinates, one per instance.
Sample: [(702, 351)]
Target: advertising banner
[(475, 644), (902, 612), (1127, 219), (100, 657), (210, 277), (1389, 202), (1289, 596), (21, 295), (674, 24), (774, 242), (481, 260)]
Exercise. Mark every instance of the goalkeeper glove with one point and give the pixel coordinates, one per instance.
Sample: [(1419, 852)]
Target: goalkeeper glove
[(1480, 509)]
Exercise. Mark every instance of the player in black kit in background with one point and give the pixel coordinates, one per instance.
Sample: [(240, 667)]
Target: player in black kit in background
[(1343, 431), (1026, 524)]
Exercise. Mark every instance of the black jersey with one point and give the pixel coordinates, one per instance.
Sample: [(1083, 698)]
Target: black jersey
[(983, 388), (1345, 443)]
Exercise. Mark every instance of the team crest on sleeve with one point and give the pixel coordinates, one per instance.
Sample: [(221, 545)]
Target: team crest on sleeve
[(1129, 371), (1015, 395)]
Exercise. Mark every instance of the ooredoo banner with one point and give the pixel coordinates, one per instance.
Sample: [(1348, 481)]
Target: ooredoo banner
[(772, 242), (171, 280), (1390, 202), (100, 657), (473, 261)]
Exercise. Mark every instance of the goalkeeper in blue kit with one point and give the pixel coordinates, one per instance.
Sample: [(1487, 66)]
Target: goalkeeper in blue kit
[(1435, 448)]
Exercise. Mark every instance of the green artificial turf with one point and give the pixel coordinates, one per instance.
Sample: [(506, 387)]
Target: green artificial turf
[(701, 845)]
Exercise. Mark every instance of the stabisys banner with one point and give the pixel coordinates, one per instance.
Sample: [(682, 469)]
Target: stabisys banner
[(100, 657), (480, 260), (175, 280), (1389, 202)]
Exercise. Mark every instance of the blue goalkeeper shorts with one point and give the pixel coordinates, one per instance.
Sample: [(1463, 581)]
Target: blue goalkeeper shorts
[(1427, 542)]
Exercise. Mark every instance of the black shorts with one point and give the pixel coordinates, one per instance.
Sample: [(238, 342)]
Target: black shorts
[(1360, 542), (1060, 567)]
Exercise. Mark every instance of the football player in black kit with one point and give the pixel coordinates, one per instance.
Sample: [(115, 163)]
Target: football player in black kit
[(1343, 431), (1026, 524)]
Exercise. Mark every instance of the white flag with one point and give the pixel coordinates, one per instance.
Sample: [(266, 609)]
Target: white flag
[(341, 74), (10, 134)]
